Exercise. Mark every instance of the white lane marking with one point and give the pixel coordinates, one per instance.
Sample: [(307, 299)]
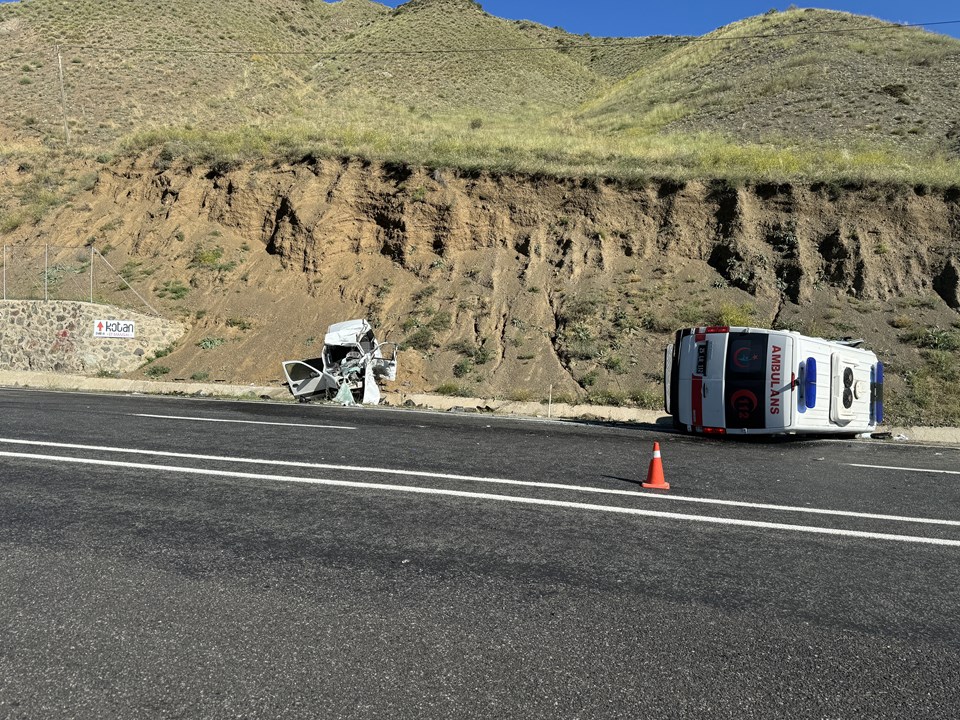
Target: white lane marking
[(499, 498), (245, 422), (905, 469), (491, 480)]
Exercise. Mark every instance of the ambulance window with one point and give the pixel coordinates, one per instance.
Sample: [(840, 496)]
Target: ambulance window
[(744, 380)]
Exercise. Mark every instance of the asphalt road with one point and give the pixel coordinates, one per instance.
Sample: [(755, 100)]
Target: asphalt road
[(208, 559)]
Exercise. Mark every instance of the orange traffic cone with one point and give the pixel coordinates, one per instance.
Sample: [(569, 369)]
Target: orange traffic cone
[(655, 479)]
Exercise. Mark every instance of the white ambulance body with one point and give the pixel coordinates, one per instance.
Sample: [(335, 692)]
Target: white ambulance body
[(749, 381)]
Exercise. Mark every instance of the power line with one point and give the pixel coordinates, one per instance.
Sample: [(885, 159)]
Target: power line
[(528, 48)]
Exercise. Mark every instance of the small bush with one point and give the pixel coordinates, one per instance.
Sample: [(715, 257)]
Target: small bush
[(647, 398), (520, 395), (200, 376), (901, 321), (239, 323), (208, 343), (482, 355), (452, 389), (607, 397), (623, 320), (730, 314), (944, 365), (423, 294), (657, 324), (440, 321), (463, 347), (172, 290), (210, 258), (934, 339), (421, 340), (463, 368), (10, 222), (614, 364), (579, 349), (577, 310), (155, 371), (130, 270)]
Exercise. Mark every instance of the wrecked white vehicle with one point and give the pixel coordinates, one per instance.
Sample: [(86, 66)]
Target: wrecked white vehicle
[(349, 366)]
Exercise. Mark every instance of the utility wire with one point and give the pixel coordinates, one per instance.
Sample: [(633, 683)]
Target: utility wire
[(529, 48)]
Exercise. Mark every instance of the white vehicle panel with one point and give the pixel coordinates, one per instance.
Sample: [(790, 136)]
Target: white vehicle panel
[(754, 381)]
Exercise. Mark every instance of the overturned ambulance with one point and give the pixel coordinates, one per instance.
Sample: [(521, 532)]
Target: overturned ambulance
[(350, 364), (749, 381)]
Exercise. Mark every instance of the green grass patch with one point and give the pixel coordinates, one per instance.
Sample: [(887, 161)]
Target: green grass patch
[(731, 314), (163, 352), (421, 339), (462, 368), (10, 222), (172, 290), (546, 146), (205, 257), (209, 343), (934, 339), (452, 389), (156, 371)]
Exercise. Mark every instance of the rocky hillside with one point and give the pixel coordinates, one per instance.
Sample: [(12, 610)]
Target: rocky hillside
[(511, 285)]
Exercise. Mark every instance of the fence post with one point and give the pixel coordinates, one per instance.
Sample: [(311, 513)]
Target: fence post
[(63, 99), (46, 272)]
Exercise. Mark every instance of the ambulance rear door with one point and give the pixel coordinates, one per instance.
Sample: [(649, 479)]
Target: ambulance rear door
[(759, 381), (700, 398)]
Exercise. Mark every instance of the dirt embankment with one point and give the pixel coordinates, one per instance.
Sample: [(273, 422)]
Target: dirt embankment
[(512, 286)]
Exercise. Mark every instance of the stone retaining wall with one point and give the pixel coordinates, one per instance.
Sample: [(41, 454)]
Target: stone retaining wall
[(58, 336)]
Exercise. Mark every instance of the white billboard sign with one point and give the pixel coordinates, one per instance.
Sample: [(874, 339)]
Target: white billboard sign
[(113, 329)]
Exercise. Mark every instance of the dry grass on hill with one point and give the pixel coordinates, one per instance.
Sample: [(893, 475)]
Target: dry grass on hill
[(326, 78), (820, 78)]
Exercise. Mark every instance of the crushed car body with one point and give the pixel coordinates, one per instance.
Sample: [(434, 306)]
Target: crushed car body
[(351, 363)]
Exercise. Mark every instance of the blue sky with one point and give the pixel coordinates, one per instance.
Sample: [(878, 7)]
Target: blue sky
[(632, 18)]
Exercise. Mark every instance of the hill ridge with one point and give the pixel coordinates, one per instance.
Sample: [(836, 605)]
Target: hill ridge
[(435, 65)]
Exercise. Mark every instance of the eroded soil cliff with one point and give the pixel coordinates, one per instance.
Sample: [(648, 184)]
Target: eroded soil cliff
[(519, 286)]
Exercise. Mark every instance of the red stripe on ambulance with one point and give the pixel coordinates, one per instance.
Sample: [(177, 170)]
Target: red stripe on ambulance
[(696, 400)]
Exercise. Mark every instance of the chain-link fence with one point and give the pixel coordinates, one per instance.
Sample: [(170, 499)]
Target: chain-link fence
[(52, 272)]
